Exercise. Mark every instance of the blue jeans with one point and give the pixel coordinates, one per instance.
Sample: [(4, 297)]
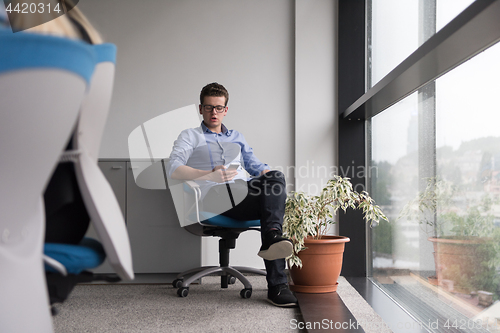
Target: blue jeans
[(265, 201)]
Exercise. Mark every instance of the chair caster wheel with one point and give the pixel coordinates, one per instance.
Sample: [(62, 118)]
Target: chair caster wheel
[(231, 279), (246, 293), (183, 292), (177, 283)]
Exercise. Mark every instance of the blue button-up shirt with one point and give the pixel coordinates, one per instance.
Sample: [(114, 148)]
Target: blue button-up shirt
[(202, 149)]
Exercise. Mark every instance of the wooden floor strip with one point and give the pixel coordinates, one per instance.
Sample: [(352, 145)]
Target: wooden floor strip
[(324, 313)]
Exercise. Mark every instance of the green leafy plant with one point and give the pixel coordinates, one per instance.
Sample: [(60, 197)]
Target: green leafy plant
[(435, 207), (310, 215)]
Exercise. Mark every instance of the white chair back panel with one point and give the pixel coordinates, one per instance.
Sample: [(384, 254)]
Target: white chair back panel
[(95, 110), (39, 109), (106, 216), (99, 199), (24, 303)]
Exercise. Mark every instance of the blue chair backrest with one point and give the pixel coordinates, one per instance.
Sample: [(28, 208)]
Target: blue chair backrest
[(105, 52), (28, 50)]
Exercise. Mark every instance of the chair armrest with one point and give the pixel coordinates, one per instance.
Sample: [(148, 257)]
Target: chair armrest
[(55, 265), (192, 184)]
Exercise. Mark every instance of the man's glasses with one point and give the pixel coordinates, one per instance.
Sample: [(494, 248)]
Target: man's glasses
[(209, 108)]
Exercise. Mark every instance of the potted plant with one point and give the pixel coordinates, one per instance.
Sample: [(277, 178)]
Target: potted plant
[(466, 242), (317, 259)]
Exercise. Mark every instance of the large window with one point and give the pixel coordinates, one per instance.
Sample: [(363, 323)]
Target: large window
[(397, 28), (437, 156)]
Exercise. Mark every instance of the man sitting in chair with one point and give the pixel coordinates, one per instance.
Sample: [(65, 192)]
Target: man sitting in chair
[(217, 158)]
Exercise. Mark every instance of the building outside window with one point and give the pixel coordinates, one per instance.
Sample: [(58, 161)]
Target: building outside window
[(437, 159)]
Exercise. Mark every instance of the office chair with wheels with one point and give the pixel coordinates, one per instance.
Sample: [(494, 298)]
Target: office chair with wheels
[(98, 197), (203, 223), (43, 80), (153, 142)]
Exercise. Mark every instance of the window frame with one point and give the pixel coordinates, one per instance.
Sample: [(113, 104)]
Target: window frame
[(474, 30)]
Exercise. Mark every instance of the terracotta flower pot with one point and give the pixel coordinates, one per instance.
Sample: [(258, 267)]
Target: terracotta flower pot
[(458, 260), (321, 265)]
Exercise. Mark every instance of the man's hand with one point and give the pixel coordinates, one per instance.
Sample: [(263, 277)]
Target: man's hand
[(219, 174)]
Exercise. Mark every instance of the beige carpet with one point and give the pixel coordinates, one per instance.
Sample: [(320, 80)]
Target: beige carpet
[(157, 308)]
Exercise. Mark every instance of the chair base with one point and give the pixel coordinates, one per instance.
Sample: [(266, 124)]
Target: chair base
[(227, 273), (228, 276)]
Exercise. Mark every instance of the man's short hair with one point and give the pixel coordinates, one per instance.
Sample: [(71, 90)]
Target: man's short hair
[(214, 89)]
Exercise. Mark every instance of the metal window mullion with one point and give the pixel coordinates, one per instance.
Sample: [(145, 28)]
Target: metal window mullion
[(426, 130)]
